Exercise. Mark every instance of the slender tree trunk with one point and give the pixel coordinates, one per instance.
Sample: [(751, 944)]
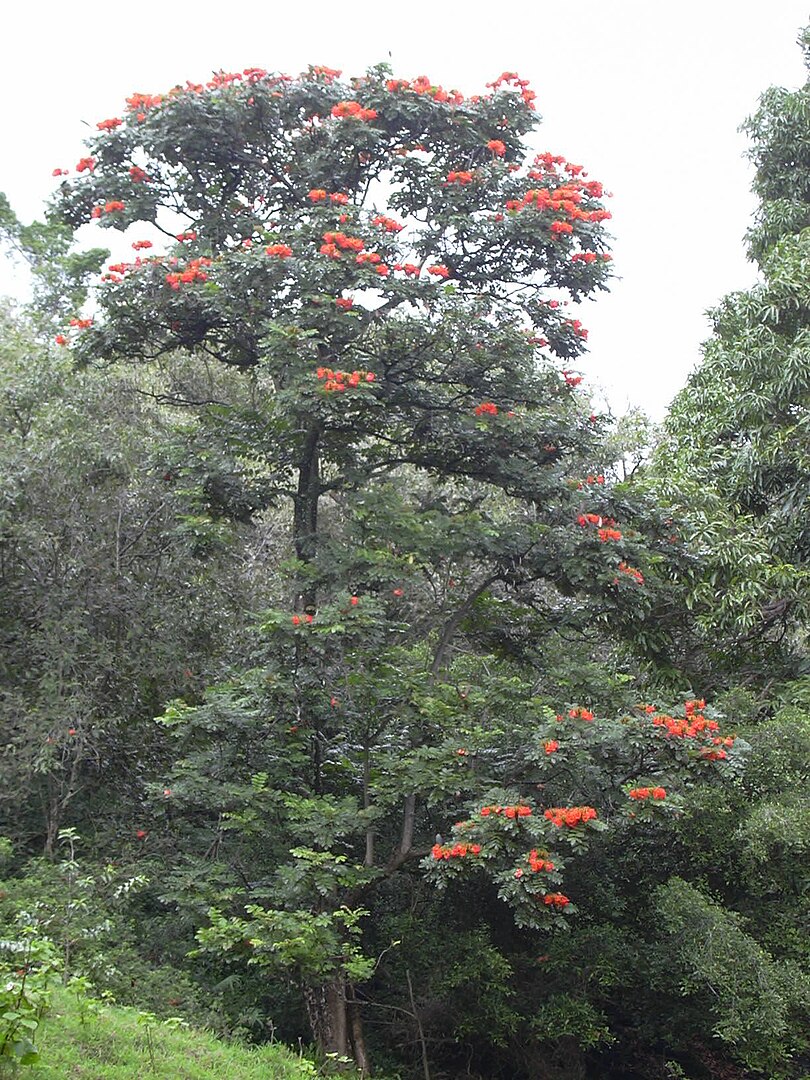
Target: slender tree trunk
[(328, 1016), (361, 1058), (305, 512)]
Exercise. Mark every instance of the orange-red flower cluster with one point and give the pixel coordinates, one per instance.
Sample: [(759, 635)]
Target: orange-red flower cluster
[(281, 251), (517, 811), (335, 242), (608, 534), (630, 571), (538, 863), (570, 816), (556, 899), (60, 172), (344, 303), (454, 851), (591, 257), (486, 408), (138, 175), (641, 793), (693, 725), (594, 519), (571, 379), (387, 223), (497, 147), (141, 103), (186, 236), (459, 178), (352, 110), (297, 620), (439, 271), (193, 272), (340, 381), (551, 746), (511, 79), (576, 714), (81, 324), (141, 245), (423, 85), (111, 207), (85, 164), (109, 125)]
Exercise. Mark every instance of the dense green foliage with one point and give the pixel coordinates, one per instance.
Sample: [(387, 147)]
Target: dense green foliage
[(352, 667)]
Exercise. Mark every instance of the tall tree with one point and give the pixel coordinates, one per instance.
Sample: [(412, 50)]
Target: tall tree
[(736, 444), (392, 275)]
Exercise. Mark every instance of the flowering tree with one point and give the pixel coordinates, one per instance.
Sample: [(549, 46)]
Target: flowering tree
[(394, 276)]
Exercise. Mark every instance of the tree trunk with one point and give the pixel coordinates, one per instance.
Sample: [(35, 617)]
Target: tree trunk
[(328, 1016)]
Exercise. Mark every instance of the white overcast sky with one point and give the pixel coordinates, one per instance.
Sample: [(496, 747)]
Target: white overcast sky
[(648, 96)]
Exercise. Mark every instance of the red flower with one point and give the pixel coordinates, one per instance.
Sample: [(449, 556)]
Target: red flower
[(551, 747), (59, 172), (354, 601), (353, 110), (296, 620), (317, 195), (141, 834), (138, 175), (109, 125), (113, 206), (556, 899), (282, 251), (486, 408), (398, 592), (497, 147), (437, 271), (85, 164), (60, 339), (141, 245)]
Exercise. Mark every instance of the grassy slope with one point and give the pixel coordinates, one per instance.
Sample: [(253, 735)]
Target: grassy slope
[(112, 1046)]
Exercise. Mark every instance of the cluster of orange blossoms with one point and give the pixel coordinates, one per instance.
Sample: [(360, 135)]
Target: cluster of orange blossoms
[(517, 811), (184, 237), (85, 164), (590, 257), (352, 110), (81, 324), (556, 899), (551, 746), (297, 620), (319, 195), (387, 223), (497, 147), (486, 408), (590, 480), (608, 534), (340, 381), (454, 851), (577, 714), (112, 207), (193, 272), (281, 251), (641, 793), (630, 571), (571, 379), (422, 85), (459, 178), (512, 79), (584, 520), (538, 863), (570, 816), (109, 125), (141, 245)]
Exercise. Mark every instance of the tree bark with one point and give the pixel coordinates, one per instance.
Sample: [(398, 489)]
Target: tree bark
[(327, 1015)]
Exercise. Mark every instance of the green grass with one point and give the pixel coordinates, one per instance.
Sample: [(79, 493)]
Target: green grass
[(113, 1046)]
